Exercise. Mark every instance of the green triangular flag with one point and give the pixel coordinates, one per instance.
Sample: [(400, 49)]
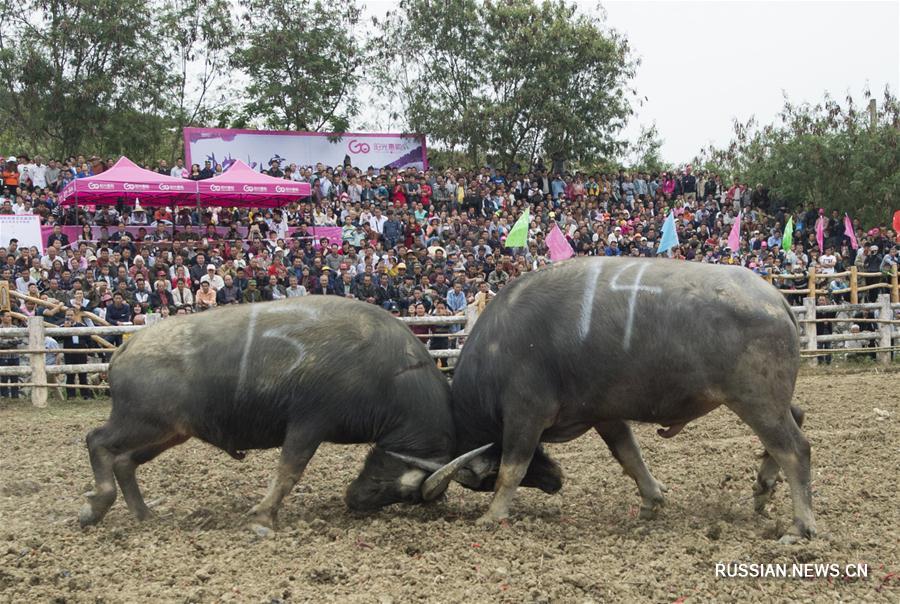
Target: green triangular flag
[(788, 238), (518, 235)]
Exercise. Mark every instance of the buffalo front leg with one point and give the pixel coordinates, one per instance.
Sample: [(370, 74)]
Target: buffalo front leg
[(624, 447), (296, 452), (519, 443)]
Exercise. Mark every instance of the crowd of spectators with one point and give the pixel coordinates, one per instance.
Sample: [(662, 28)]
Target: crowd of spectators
[(416, 242)]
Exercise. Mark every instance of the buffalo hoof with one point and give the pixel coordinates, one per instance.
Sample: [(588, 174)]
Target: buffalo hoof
[(489, 520), (88, 517), (262, 517), (797, 534), (96, 507), (790, 539), (762, 493), (263, 532)]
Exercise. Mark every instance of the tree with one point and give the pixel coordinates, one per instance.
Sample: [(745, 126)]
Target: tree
[(508, 80), (202, 34), (302, 60), (643, 154), (831, 154), (83, 74)]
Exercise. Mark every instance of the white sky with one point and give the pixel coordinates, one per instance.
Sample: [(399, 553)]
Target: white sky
[(705, 63)]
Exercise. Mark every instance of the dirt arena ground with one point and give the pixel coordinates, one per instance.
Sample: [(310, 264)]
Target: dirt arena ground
[(583, 544)]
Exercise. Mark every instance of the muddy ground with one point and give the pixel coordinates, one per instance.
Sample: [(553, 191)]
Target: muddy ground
[(583, 544)]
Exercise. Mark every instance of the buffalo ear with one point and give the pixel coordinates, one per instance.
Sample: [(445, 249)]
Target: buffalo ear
[(438, 482)]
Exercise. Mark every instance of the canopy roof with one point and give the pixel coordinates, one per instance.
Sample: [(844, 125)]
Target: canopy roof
[(126, 179), (240, 185)]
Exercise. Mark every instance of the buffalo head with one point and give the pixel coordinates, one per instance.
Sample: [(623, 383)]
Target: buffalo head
[(388, 477)]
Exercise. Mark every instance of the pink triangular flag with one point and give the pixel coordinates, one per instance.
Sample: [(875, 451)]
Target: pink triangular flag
[(734, 238), (820, 233), (559, 247), (848, 231)]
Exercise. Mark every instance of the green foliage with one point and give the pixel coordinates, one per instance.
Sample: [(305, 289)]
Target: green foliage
[(644, 155), (302, 59), (830, 154), (76, 68), (203, 35), (506, 80)]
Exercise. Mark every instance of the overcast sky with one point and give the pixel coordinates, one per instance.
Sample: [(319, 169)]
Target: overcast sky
[(705, 63)]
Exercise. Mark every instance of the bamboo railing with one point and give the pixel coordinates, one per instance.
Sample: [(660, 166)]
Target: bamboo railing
[(886, 340)]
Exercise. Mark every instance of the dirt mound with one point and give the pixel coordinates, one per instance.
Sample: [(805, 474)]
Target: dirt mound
[(583, 544)]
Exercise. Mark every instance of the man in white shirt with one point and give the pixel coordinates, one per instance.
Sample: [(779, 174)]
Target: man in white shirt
[(22, 207), (377, 222), (38, 173), (48, 258), (827, 261), (215, 281), (177, 170)]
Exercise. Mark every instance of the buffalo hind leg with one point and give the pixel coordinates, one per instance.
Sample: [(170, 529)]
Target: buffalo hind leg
[(624, 447), (783, 440), (108, 446), (296, 452), (126, 464), (768, 472), (104, 494), (520, 440)]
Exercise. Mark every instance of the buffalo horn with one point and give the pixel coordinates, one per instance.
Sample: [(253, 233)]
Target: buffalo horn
[(437, 483), (425, 464)]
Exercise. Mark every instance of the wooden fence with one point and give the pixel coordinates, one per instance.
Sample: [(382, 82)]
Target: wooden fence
[(37, 372), (885, 340), (887, 283)]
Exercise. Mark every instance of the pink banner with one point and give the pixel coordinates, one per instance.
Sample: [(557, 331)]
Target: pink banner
[(848, 231), (558, 246), (333, 234), (734, 238), (820, 233)]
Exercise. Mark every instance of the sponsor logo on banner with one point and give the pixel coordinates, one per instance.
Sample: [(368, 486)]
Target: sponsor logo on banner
[(135, 186), (355, 146), (100, 185), (255, 189), (168, 187), (282, 189), (226, 188), (257, 148)]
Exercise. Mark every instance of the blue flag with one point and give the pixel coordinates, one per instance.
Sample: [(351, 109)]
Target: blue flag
[(669, 237)]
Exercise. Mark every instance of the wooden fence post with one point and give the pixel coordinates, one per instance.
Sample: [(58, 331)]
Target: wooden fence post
[(812, 283), (895, 286), (809, 329), (854, 291), (885, 329), (37, 360)]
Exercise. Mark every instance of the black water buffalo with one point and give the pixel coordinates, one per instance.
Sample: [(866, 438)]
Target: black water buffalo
[(294, 374), (595, 342)]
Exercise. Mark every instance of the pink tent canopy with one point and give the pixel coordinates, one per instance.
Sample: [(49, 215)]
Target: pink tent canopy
[(126, 179), (242, 186)]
